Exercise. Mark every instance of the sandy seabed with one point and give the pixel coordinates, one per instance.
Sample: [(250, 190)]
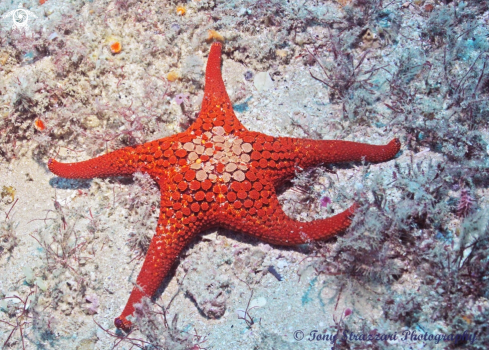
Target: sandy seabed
[(365, 71)]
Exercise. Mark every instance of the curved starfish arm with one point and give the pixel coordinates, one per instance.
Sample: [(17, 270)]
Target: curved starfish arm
[(272, 225), (163, 251), (117, 163), (314, 152)]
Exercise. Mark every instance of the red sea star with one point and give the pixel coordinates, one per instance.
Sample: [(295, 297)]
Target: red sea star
[(217, 173)]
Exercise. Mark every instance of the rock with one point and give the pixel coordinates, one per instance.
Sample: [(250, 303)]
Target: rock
[(91, 122), (263, 81), (86, 344), (258, 302)]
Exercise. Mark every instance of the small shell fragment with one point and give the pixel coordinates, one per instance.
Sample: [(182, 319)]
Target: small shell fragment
[(172, 76), (181, 10)]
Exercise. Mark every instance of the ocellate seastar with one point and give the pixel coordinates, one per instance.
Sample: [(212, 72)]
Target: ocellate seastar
[(217, 173)]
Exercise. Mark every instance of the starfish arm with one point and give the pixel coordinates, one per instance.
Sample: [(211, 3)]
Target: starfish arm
[(214, 85), (117, 163), (173, 233), (217, 109), (313, 152), (291, 153), (272, 225)]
